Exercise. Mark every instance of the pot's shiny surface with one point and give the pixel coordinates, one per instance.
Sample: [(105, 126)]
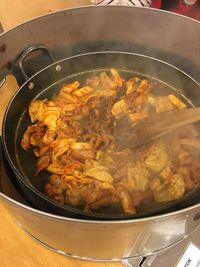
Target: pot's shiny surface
[(104, 240), (150, 32), (160, 34)]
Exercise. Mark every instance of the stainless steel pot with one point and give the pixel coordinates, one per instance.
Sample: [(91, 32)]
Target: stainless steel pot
[(147, 31)]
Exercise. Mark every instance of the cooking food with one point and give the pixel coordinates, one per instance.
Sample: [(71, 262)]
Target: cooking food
[(78, 137)]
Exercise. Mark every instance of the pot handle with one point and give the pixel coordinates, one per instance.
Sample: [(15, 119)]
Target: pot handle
[(30, 50), (139, 261)]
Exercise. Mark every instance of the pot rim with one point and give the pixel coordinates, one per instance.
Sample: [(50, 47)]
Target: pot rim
[(99, 7), (125, 221)]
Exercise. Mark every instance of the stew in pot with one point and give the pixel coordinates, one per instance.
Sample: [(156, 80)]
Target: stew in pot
[(78, 136)]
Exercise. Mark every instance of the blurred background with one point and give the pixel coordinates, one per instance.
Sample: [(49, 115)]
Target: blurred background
[(13, 12)]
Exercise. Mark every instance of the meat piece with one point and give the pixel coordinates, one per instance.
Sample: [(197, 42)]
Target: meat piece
[(37, 110), (48, 113), (120, 174), (60, 169), (83, 93), (106, 200), (135, 117), (126, 201), (117, 79), (175, 189), (33, 136), (55, 189), (98, 172), (41, 151), (176, 102), (185, 158), (74, 196), (59, 147), (195, 170), (103, 82), (156, 158), (42, 163), (131, 86), (186, 173), (82, 151), (162, 104), (160, 182), (142, 87), (177, 186), (25, 142), (68, 89), (137, 177), (98, 194), (119, 108)]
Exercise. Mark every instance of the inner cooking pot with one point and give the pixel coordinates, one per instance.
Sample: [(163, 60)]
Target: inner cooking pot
[(46, 83)]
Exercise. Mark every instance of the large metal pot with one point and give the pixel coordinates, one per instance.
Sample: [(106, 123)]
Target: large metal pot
[(158, 35)]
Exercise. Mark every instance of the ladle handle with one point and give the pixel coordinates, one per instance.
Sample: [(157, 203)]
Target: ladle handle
[(30, 50), (158, 125)]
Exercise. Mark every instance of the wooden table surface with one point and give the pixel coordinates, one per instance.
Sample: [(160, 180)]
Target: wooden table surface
[(16, 248)]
